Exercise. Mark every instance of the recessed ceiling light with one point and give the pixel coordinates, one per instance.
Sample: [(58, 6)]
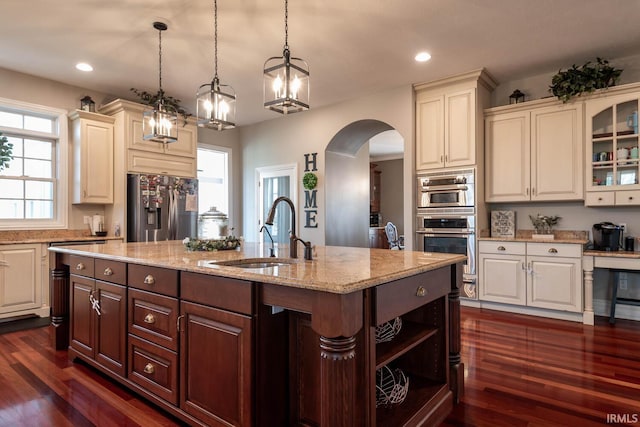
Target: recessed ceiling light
[(83, 66), (423, 57)]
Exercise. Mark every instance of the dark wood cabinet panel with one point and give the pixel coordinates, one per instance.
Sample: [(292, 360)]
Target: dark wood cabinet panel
[(82, 333), (216, 363), (378, 238), (111, 271), (154, 368), (153, 317), (111, 327), (153, 279), (223, 292)]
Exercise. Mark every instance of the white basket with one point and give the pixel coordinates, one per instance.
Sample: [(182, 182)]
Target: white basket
[(388, 330), (391, 386)]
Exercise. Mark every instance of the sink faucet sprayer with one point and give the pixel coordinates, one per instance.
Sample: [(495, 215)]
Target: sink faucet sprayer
[(293, 239), (272, 251)]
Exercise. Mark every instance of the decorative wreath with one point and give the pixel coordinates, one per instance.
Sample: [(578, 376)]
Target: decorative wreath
[(309, 181)]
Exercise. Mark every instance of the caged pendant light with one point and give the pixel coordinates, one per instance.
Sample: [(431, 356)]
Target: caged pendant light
[(216, 103), (160, 124), (286, 79)]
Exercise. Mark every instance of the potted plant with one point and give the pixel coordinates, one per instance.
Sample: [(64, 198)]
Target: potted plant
[(6, 152), (585, 79), (148, 98), (543, 226)]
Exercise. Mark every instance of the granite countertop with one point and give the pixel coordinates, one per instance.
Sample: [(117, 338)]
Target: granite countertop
[(334, 269), (613, 254), (48, 236), (559, 236)]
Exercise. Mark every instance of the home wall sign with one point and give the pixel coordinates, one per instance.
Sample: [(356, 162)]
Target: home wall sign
[(310, 181)]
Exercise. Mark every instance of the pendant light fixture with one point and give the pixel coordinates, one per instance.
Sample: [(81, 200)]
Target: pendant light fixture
[(286, 79), (216, 103), (160, 123)]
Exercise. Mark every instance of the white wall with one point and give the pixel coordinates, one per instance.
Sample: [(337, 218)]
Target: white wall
[(36, 90), (286, 139)]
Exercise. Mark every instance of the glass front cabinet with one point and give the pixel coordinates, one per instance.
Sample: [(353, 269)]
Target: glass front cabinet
[(612, 150)]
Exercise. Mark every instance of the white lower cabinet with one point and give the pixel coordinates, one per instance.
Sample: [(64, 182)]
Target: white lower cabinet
[(543, 275), (23, 280)]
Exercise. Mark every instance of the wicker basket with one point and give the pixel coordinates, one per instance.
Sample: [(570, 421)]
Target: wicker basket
[(391, 386), (388, 330)]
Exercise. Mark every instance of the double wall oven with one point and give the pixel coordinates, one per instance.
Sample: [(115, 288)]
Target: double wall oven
[(446, 218)]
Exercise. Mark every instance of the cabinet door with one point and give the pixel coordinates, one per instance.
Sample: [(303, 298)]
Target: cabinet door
[(186, 145), (502, 278), (111, 326), (95, 162), (507, 157), (555, 283), (556, 153), (82, 320), (460, 129), (429, 132), (216, 374), (20, 278)]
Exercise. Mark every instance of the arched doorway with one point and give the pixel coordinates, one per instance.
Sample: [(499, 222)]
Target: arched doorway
[(347, 160)]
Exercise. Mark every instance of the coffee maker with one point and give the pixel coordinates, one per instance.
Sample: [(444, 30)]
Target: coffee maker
[(607, 236)]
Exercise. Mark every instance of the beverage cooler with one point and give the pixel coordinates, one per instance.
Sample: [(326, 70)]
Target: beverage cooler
[(161, 207)]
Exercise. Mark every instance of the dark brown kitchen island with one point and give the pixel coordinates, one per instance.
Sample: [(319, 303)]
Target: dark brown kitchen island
[(291, 343)]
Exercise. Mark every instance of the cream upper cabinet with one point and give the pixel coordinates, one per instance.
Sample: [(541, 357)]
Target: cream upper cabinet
[(92, 157), (534, 152), (186, 145), (612, 164), (23, 280), (448, 131)]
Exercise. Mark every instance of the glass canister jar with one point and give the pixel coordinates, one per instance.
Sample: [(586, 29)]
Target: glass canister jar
[(213, 224)]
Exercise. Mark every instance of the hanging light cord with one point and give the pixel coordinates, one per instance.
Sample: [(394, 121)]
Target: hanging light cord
[(215, 40), (160, 58), (286, 24)]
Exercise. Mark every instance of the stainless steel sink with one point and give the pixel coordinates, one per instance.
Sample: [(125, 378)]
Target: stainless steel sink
[(255, 262)]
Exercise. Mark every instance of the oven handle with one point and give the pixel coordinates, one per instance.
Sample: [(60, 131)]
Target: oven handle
[(435, 233), (443, 188)]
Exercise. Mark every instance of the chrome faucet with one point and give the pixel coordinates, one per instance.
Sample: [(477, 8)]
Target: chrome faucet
[(293, 239)]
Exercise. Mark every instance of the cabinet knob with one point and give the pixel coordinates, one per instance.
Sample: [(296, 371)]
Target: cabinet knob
[(80, 266), (150, 319), (421, 291), (553, 251), (502, 248), (630, 197), (149, 368), (108, 272), (599, 199), (149, 280)]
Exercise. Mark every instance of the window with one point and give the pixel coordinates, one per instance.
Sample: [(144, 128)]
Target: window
[(214, 185), (34, 183)]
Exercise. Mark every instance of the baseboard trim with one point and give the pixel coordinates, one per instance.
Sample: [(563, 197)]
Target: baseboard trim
[(531, 311)]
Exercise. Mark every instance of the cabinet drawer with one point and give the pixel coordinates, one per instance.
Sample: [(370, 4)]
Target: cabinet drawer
[(153, 317), (154, 368), (222, 292), (401, 296), (111, 271), (600, 198), (627, 198), (501, 247), (81, 265), (554, 249), (155, 279)]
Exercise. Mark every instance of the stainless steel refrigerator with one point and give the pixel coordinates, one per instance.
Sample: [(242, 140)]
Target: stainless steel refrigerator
[(161, 207)]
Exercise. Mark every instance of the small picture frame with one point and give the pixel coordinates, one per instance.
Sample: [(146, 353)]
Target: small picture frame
[(503, 224)]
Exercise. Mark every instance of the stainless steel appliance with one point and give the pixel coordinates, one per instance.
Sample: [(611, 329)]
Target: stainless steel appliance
[(446, 189), (375, 219), (446, 219), (161, 207), (607, 236)]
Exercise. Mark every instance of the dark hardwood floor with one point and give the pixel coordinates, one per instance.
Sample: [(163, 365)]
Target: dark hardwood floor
[(519, 371)]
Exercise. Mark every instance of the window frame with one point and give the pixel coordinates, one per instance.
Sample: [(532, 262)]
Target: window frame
[(229, 177), (59, 134)]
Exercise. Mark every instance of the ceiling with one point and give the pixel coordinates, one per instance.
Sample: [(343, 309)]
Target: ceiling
[(353, 47)]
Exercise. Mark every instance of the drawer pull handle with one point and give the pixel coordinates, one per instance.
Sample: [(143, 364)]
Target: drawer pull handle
[(553, 251), (149, 280), (630, 197), (80, 266), (150, 319), (149, 368), (108, 272), (421, 291), (599, 199), (501, 248)]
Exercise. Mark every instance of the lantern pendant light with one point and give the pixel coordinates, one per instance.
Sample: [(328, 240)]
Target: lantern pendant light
[(286, 79), (160, 123), (216, 103)]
